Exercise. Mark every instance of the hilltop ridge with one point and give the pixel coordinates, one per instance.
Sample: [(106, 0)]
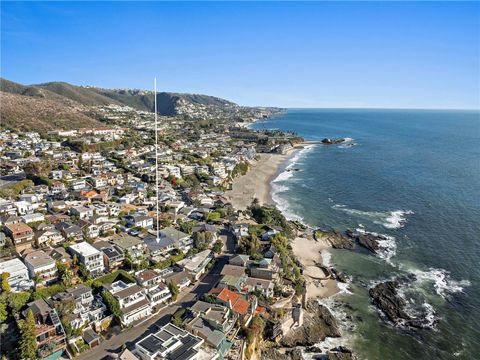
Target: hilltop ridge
[(50, 105)]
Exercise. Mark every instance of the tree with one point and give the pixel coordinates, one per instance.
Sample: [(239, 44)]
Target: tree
[(3, 310), (218, 246), (28, 342), (17, 300), (64, 274), (174, 289), (201, 240), (5, 283), (111, 303)]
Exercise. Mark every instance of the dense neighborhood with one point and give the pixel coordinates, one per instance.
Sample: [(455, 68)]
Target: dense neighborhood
[(82, 258)]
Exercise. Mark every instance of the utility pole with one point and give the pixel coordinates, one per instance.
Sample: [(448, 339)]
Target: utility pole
[(156, 153)]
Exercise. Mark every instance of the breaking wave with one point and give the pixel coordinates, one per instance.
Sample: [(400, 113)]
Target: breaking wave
[(388, 219), (277, 187), (442, 283)]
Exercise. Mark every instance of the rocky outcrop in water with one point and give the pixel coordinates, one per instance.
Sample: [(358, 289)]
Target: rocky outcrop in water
[(335, 239), (385, 297), (341, 353), (368, 240), (328, 141), (318, 324)]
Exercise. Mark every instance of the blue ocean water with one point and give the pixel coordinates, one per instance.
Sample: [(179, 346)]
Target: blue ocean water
[(413, 175)]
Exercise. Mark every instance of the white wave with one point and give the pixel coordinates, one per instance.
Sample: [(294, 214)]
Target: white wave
[(388, 245), (326, 258), (388, 219), (443, 284), (277, 188), (396, 219), (344, 288), (285, 175)]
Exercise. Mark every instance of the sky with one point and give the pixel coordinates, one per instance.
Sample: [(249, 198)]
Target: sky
[(288, 54)]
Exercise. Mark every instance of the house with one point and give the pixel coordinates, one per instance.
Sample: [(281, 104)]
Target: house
[(239, 260), (90, 257), (82, 212), (88, 309), (49, 332), (18, 278), (40, 265), (212, 322), (264, 269), (240, 230), (245, 309), (180, 239), (69, 231), (56, 206), (233, 270), (181, 278), (60, 254), (196, 265), (171, 343), (23, 207), (132, 300), (21, 235), (91, 338), (157, 247), (139, 220), (206, 228), (31, 218), (89, 229), (265, 287), (131, 244), (48, 235), (152, 282), (232, 282), (112, 255)]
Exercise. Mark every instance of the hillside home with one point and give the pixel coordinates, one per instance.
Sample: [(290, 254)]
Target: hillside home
[(21, 235), (132, 299), (18, 279), (88, 256), (41, 266)]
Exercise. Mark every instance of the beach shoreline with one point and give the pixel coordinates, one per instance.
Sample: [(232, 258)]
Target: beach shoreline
[(257, 183)]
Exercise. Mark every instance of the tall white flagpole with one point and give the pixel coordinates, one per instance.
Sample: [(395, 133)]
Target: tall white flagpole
[(156, 151)]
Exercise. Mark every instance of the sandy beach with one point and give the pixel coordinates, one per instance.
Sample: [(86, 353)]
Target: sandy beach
[(308, 252), (256, 183)]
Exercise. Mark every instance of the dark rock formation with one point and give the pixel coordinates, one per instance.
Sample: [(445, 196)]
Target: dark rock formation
[(341, 353), (318, 324), (335, 239), (368, 240), (385, 297), (274, 354), (328, 141)]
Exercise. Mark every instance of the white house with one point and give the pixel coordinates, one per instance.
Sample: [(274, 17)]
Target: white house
[(42, 266), (132, 299), (18, 274), (88, 256)]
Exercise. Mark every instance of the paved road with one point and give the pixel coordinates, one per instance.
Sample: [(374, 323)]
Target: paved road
[(130, 336)]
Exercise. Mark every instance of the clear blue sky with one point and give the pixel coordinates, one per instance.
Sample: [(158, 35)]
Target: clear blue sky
[(312, 54)]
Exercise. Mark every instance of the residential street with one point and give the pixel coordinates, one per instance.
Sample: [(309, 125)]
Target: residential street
[(186, 299)]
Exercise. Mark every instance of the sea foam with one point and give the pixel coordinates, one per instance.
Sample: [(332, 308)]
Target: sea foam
[(388, 219), (443, 284), (278, 185)]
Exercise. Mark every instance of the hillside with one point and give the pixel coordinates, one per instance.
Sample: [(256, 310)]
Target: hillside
[(52, 105), (29, 113)]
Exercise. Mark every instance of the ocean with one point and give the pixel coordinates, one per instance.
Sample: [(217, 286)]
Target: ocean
[(413, 175)]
